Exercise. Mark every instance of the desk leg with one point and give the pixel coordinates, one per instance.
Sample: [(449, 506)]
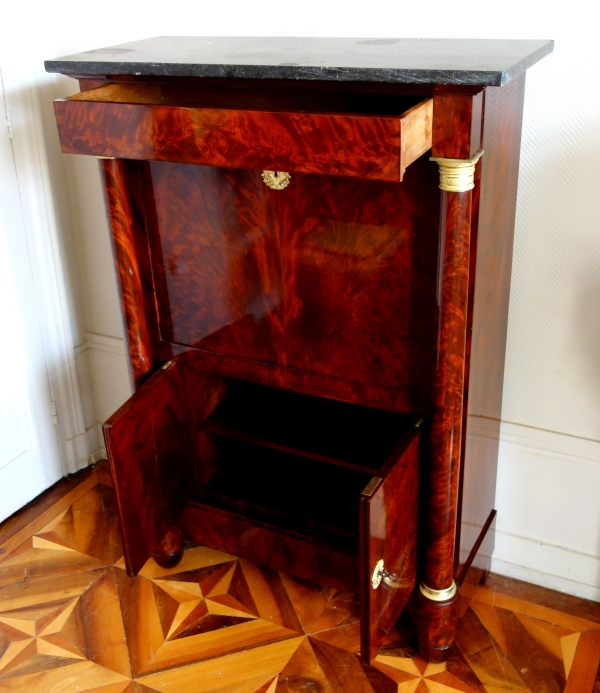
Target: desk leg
[(438, 605), (169, 551)]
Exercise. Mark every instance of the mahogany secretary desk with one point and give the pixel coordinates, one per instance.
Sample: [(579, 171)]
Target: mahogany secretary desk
[(316, 333)]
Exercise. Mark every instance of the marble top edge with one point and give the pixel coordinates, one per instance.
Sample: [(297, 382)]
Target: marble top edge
[(473, 62)]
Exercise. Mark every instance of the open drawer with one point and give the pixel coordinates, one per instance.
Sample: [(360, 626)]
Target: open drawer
[(319, 488), (239, 129)]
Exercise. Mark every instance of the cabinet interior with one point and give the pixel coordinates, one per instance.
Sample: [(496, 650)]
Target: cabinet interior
[(255, 98), (293, 461)]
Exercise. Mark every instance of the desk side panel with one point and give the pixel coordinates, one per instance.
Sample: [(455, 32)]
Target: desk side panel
[(494, 245)]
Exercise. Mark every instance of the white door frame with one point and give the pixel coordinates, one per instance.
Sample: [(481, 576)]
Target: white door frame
[(39, 211)]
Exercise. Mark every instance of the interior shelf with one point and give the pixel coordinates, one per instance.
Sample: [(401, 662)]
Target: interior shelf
[(297, 462), (287, 492), (327, 430), (255, 98)]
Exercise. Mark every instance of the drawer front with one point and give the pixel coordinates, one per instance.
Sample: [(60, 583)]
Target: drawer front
[(371, 147)]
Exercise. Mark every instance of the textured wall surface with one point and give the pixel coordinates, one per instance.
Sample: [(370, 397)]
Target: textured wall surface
[(549, 476), (553, 365)]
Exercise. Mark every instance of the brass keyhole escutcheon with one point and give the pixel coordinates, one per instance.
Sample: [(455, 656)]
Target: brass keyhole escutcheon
[(276, 180), (377, 574), (380, 574)]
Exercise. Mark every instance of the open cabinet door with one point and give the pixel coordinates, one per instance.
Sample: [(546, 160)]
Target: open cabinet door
[(388, 536), (148, 449)]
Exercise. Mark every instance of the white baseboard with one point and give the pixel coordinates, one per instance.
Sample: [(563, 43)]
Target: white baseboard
[(549, 566), (97, 445), (108, 345), (99, 455), (548, 502)]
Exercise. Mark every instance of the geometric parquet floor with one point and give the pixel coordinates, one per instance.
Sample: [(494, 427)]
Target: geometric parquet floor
[(72, 621)]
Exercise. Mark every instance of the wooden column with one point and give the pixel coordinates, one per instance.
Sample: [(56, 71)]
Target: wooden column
[(437, 591), (130, 247)]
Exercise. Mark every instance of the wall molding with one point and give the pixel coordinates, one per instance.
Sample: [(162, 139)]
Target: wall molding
[(114, 346), (540, 537), (561, 446), (555, 567), (108, 345), (101, 362), (108, 377)]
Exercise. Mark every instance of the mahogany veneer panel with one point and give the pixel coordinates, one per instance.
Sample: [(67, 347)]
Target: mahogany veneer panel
[(457, 125), (388, 516), (271, 546), (146, 441), (272, 503), (124, 198), (315, 278), (138, 122), (491, 264)]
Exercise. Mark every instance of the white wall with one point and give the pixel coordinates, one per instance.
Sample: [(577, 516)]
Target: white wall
[(549, 476)]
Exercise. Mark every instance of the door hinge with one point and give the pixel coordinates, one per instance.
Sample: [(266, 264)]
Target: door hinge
[(9, 125), (54, 414)]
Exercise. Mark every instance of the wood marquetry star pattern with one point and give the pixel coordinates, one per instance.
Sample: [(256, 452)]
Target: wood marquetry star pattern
[(71, 620)]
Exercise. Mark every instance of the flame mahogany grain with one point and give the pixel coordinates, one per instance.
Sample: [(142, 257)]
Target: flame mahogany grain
[(340, 286), (133, 122), (388, 517), (473, 317), (457, 124), (446, 423), (324, 385), (132, 260), (439, 620), (147, 445), (267, 545), (314, 278), (160, 455)]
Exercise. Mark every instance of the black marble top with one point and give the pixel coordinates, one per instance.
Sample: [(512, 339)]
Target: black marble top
[(475, 62)]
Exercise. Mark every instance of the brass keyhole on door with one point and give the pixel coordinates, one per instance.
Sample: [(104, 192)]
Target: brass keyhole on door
[(276, 180), (381, 575)]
